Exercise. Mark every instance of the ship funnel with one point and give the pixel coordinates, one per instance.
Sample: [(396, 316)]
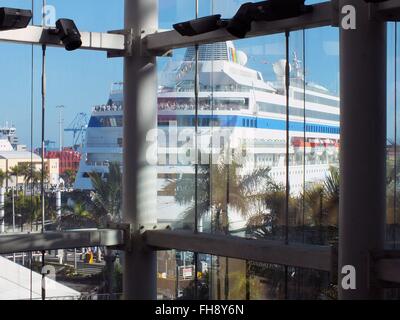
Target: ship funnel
[(241, 57), (279, 68)]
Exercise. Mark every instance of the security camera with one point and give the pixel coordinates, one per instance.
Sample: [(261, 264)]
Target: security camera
[(68, 34), (200, 25), (240, 24), (11, 18), (269, 10)]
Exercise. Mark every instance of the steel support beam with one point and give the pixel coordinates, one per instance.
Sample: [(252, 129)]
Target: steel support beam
[(140, 176), (322, 15), (60, 240), (296, 255), (385, 267), (387, 270), (363, 148), (390, 10), (113, 43)]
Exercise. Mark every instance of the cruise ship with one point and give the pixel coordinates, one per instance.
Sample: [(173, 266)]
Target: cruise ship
[(103, 142), (8, 135), (237, 100)]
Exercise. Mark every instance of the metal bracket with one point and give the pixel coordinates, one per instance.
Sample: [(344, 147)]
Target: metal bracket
[(128, 234), (155, 53), (389, 10), (385, 269), (128, 44)]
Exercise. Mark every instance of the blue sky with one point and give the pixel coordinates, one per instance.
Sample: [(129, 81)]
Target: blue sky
[(77, 80), (82, 79)]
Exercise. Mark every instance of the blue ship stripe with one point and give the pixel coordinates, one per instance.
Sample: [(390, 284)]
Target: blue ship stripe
[(228, 121)]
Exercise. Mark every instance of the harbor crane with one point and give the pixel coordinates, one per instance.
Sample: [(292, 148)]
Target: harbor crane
[(78, 128)]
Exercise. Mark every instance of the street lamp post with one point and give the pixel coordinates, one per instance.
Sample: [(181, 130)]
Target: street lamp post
[(60, 108), (19, 215), (13, 215), (13, 209), (2, 222)]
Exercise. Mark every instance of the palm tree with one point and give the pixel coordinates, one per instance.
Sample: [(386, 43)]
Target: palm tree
[(45, 175), (81, 211), (31, 175), (35, 177), (78, 216), (69, 177), (321, 205), (220, 188), (322, 200), (107, 201), (3, 177), (266, 222), (107, 193), (314, 202), (332, 189), (25, 169), (16, 171)]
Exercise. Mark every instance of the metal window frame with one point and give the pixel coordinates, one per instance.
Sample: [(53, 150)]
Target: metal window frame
[(13, 243), (275, 252), (147, 44)]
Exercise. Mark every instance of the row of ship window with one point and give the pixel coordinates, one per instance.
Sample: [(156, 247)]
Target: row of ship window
[(204, 122), (276, 174)]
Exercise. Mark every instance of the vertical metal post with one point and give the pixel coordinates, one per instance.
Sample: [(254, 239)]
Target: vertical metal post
[(2, 222), (60, 253), (60, 108), (13, 209), (58, 204), (363, 146), (139, 175), (42, 191), (13, 215), (176, 279), (75, 260)]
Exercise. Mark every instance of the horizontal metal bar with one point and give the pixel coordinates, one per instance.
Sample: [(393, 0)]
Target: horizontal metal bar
[(296, 255), (388, 270), (322, 15), (109, 42), (14, 243), (385, 267), (390, 10)]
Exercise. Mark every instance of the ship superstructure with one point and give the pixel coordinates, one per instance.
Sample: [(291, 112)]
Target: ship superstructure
[(233, 99), (9, 134)]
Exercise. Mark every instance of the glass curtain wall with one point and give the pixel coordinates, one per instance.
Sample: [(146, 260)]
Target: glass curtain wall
[(239, 153), (176, 137), (266, 161)]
